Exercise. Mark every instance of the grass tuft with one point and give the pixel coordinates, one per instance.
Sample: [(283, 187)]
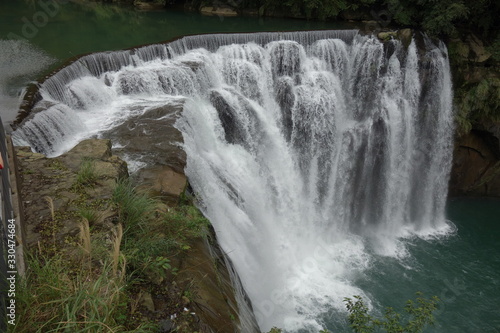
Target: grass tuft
[(87, 175), (135, 209)]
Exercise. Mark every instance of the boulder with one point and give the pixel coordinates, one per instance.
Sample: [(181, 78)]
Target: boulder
[(163, 182), (387, 35), (405, 36), (218, 11), (146, 6)]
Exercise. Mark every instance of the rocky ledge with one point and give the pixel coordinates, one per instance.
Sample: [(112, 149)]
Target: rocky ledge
[(56, 193)]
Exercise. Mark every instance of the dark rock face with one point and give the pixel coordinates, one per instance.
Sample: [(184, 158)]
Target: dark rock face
[(145, 138), (476, 165)]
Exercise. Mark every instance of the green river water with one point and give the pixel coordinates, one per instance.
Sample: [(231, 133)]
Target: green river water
[(463, 269)]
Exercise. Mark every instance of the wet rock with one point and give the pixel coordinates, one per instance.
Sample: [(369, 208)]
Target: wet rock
[(218, 11), (215, 306), (146, 6), (387, 35), (470, 49), (165, 326), (476, 165), (164, 182), (143, 138), (405, 36), (91, 148)]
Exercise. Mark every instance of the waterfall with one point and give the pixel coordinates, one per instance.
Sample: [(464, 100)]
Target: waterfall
[(309, 152)]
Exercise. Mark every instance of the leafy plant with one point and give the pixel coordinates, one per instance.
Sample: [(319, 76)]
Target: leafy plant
[(419, 316), (478, 102)]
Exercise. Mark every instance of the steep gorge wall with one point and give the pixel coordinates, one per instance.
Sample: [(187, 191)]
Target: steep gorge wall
[(476, 74)]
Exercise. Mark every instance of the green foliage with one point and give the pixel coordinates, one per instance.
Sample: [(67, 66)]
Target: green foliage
[(321, 9), (154, 233), (419, 316), (495, 48), (275, 330), (478, 102), (443, 16), (55, 296), (89, 214), (440, 18), (436, 17), (135, 209), (87, 175), (359, 318), (91, 293)]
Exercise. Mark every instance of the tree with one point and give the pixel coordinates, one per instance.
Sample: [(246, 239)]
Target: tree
[(419, 315)]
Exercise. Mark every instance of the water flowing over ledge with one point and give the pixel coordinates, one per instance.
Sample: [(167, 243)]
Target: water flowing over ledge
[(310, 152)]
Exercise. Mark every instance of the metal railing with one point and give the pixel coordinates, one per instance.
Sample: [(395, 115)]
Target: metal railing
[(6, 214)]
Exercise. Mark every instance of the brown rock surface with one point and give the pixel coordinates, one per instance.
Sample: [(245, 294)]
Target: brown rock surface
[(53, 197), (163, 182), (476, 166)]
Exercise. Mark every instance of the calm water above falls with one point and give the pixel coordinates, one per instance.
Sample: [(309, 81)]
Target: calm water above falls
[(302, 246), (58, 33)]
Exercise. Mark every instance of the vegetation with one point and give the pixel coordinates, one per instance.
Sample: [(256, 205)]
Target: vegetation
[(153, 236), (321, 9), (419, 315), (436, 17), (96, 283), (479, 103), (87, 174), (53, 298), (419, 312)]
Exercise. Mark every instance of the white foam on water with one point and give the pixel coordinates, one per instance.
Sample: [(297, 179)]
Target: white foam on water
[(310, 156)]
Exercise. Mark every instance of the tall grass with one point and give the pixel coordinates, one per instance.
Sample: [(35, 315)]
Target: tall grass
[(93, 293), (115, 254), (135, 209), (85, 241), (53, 298), (87, 174)]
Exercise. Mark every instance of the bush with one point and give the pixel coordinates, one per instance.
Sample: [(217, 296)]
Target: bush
[(419, 315)]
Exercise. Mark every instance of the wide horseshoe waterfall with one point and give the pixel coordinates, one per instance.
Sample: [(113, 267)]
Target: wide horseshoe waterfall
[(309, 152)]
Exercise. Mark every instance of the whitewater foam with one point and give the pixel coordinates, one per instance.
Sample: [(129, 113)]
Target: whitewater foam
[(310, 153)]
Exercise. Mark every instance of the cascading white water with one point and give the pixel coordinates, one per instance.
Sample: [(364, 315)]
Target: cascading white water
[(309, 152)]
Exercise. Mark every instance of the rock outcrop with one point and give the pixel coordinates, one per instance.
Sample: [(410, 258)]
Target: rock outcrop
[(476, 77), (58, 192), (476, 165), (218, 11), (52, 195)]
